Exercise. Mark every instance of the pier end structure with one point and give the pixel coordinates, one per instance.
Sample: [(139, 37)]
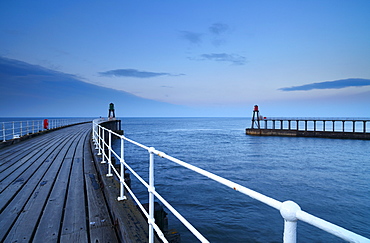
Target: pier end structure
[(341, 128)]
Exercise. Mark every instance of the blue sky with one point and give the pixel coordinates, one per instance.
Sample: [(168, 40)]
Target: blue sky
[(313, 56)]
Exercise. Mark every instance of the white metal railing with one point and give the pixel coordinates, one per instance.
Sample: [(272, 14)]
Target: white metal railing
[(316, 118), (289, 210), (16, 129), (359, 125)]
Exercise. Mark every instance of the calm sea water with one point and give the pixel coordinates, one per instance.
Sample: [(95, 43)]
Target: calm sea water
[(329, 178)]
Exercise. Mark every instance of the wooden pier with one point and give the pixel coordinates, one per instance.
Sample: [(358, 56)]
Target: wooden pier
[(51, 192), (311, 127)]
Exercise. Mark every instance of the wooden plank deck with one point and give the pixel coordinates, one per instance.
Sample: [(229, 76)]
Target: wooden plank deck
[(49, 190)]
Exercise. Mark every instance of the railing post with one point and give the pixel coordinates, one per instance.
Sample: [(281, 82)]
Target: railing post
[(289, 211), (305, 125), (96, 138), (353, 126), (93, 131), (33, 126), (13, 131), (99, 140), (122, 159), (151, 195), (343, 125), (109, 154), (103, 146), (364, 126), (21, 130), (94, 126), (333, 126)]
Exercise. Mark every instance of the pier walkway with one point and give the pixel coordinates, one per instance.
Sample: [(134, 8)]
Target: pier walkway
[(49, 190)]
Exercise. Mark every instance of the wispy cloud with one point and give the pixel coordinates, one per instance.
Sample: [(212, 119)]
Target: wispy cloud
[(166, 86), (223, 57), (192, 37), (134, 73), (337, 84), (218, 28)]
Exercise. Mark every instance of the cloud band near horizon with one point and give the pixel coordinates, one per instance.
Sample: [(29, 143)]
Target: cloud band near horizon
[(337, 84), (221, 57), (134, 73)]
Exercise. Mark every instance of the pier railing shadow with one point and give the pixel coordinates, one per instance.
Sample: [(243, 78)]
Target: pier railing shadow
[(289, 210)]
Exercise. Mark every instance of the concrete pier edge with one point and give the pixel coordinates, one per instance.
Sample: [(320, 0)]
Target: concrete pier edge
[(298, 133)]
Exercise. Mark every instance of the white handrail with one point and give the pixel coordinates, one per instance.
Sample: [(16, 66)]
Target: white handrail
[(316, 124), (289, 210), (17, 129)]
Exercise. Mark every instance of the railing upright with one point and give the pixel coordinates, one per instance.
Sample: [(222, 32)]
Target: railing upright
[(99, 141), (13, 130), (288, 211), (109, 155), (353, 126), (364, 129), (122, 172), (103, 147), (151, 190)]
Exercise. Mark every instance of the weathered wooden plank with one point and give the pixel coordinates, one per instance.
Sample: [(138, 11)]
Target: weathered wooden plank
[(15, 207), (35, 164), (50, 222), (100, 222), (74, 227), (60, 197), (24, 147), (27, 163), (27, 146), (12, 163), (27, 220)]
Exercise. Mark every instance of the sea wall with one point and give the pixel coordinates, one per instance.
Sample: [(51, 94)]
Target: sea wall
[(113, 125)]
